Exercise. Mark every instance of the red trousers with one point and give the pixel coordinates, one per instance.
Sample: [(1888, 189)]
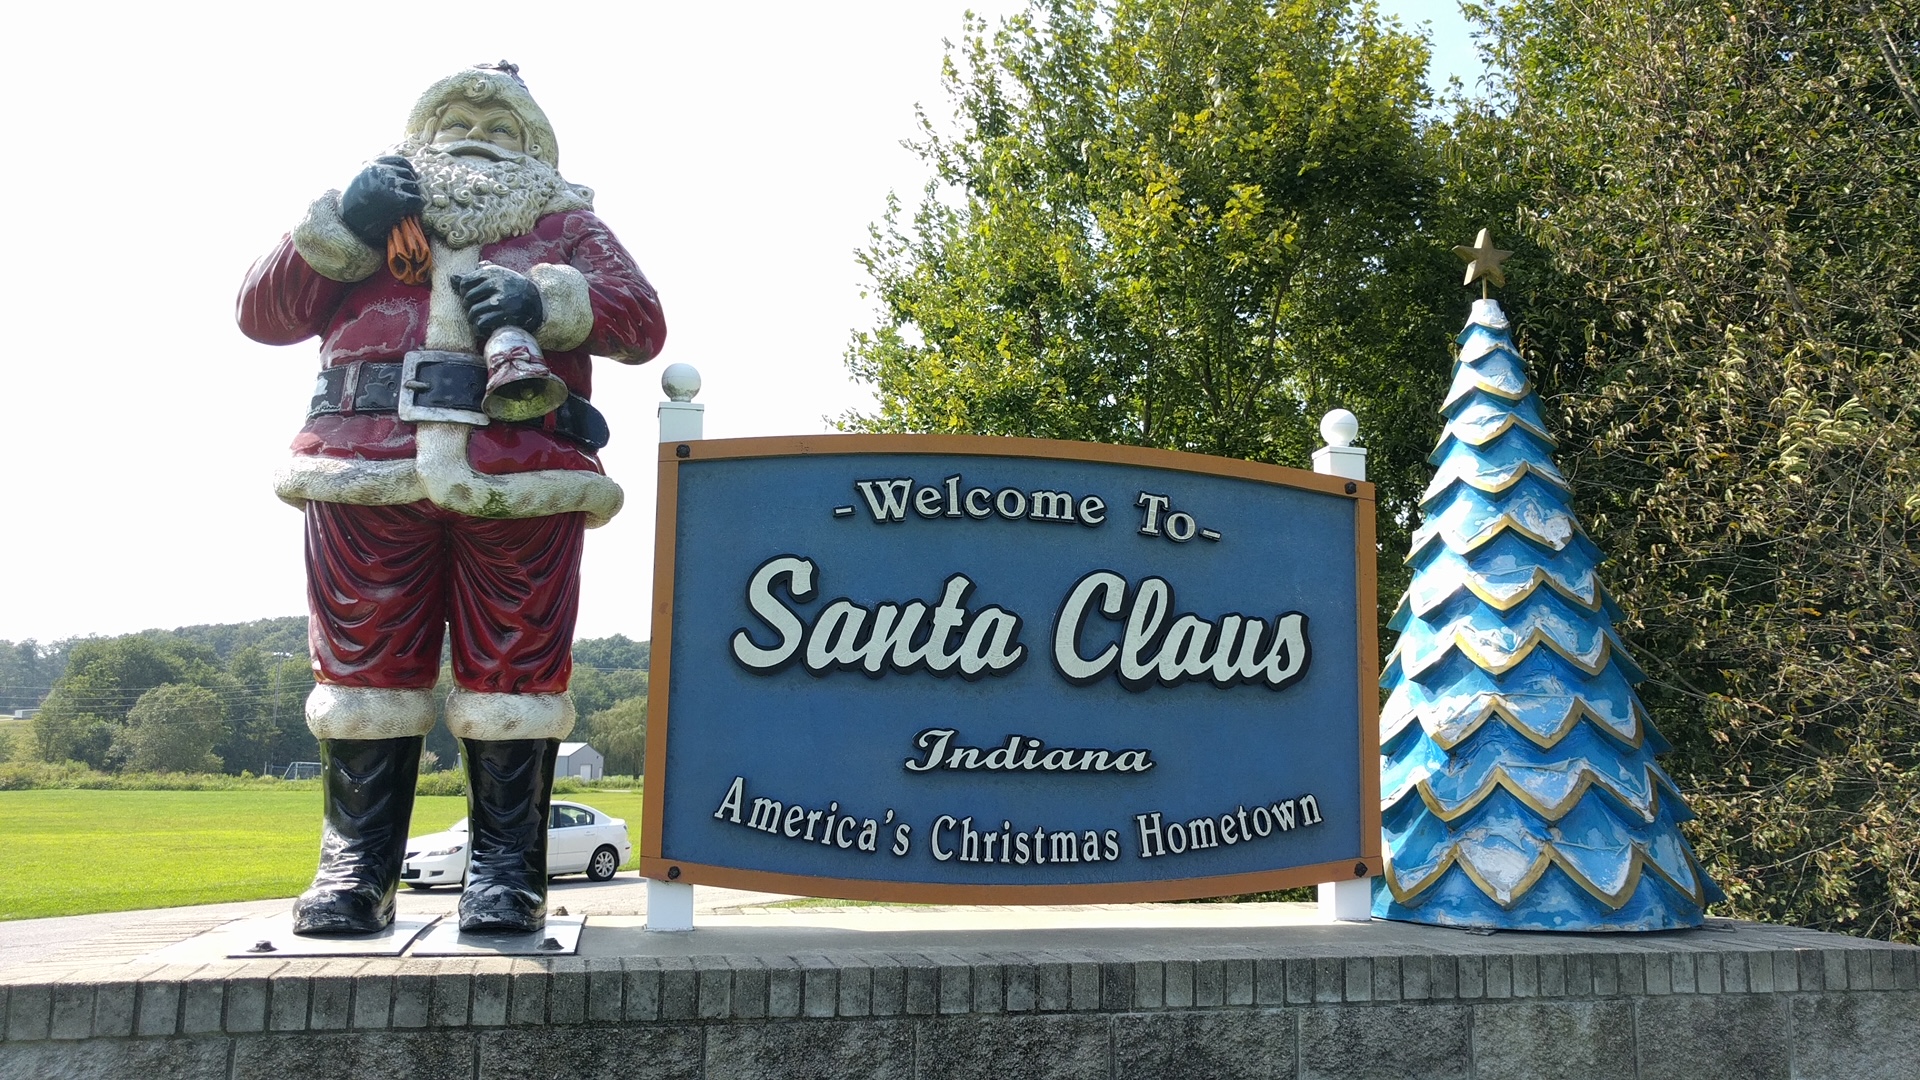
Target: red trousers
[(386, 583)]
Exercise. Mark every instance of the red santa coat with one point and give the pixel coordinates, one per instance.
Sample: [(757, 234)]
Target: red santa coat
[(588, 282), (394, 554)]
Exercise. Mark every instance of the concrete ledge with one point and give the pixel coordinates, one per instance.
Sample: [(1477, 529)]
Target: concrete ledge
[(842, 999)]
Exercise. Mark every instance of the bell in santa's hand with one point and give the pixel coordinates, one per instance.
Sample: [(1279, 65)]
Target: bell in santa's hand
[(519, 385)]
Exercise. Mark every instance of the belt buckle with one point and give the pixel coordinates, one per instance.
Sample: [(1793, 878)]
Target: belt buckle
[(413, 382)]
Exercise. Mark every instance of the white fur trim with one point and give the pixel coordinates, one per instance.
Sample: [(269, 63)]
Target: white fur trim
[(440, 451), (441, 474), (348, 480), (569, 308), (330, 247), (447, 325), (367, 712), (494, 717)]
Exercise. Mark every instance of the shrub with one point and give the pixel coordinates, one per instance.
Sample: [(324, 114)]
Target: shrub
[(43, 775), (445, 782)]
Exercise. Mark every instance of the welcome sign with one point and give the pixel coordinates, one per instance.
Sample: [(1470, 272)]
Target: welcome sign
[(979, 670)]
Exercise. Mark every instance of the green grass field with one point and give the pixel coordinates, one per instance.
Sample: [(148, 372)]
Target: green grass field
[(78, 852)]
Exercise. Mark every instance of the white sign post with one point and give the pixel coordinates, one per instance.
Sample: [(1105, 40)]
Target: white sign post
[(670, 903), (1349, 900)]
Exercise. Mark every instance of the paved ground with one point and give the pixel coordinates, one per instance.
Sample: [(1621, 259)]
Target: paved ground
[(731, 922), (732, 919), (121, 935)]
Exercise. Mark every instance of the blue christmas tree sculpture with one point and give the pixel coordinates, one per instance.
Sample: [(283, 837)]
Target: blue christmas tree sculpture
[(1518, 777)]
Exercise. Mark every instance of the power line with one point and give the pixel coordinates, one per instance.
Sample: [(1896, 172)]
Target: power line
[(6, 688), (254, 691)]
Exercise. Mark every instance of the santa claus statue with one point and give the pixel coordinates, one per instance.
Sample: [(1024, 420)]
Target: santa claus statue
[(446, 498)]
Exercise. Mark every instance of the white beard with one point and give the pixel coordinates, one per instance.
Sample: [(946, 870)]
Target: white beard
[(472, 200)]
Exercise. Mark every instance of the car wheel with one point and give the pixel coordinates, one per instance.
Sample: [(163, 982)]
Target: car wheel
[(604, 862), (421, 885)]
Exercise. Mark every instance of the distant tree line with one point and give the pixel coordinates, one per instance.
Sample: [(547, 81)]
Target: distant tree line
[(231, 698), (221, 698)]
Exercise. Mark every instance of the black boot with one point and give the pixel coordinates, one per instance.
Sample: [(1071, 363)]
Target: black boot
[(367, 804), (509, 791)]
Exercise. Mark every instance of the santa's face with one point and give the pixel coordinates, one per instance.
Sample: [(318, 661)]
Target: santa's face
[(480, 131)]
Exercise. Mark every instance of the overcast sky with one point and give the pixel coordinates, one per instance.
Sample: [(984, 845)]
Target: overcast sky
[(739, 150)]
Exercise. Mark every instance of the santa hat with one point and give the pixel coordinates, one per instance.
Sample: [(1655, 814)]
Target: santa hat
[(486, 83)]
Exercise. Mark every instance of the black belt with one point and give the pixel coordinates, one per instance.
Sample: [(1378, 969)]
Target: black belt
[(376, 389)]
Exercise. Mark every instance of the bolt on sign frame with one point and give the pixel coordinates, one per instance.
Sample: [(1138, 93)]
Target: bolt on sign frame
[(960, 669)]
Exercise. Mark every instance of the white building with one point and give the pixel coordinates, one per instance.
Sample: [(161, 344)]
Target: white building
[(580, 761)]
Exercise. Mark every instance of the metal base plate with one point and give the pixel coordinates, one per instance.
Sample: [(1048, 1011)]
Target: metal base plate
[(273, 937), (560, 938)]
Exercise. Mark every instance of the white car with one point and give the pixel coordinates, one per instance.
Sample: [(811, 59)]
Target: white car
[(580, 839)]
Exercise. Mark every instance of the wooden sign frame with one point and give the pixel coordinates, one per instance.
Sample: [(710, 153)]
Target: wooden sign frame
[(673, 455)]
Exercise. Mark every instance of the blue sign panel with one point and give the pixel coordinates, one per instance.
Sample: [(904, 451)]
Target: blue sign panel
[(993, 670)]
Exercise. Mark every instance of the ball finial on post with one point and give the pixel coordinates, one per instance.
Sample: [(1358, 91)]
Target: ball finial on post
[(680, 418), (1339, 427), (1340, 457), (681, 382)]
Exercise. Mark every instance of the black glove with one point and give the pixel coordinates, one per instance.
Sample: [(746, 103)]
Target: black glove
[(495, 297), (385, 193)]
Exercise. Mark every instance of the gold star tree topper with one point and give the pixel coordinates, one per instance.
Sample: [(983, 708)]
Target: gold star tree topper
[(1483, 260)]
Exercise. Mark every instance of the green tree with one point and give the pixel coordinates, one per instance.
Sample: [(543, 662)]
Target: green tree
[(620, 734), (266, 716), (594, 689), (1191, 225), (1717, 284), (284, 635), (258, 669), (609, 692), (616, 653), (173, 728), (103, 679), (27, 672), (62, 731)]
